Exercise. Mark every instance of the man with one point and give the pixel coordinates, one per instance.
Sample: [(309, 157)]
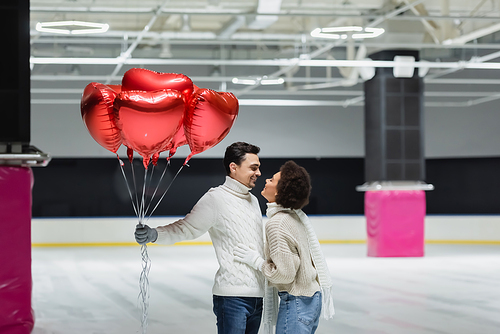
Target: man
[(231, 215)]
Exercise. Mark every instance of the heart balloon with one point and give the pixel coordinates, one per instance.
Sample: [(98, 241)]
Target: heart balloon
[(178, 141), (98, 116), (149, 120), (143, 79), (209, 117), (116, 88), (152, 112)]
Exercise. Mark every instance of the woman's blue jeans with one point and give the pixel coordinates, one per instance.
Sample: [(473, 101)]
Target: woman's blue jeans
[(298, 314), (237, 315)]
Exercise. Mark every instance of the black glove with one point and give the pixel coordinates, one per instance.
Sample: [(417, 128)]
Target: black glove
[(144, 234)]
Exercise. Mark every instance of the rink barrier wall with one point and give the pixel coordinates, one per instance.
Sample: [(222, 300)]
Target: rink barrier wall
[(96, 187), (330, 229)]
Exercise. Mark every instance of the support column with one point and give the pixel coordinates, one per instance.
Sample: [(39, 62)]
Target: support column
[(16, 178), (16, 315), (395, 222), (15, 84), (394, 159)]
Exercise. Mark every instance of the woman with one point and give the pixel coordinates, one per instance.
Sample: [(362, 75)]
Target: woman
[(294, 263)]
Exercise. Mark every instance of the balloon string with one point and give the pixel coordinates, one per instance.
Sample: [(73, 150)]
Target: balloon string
[(146, 261), (148, 187), (158, 185), (164, 193), (135, 185), (146, 265), (142, 207), (150, 182), (128, 187), (140, 212), (144, 287)]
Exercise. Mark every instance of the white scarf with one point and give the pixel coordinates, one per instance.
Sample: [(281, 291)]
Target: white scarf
[(325, 281)]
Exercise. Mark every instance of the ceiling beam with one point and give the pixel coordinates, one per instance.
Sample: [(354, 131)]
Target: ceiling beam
[(96, 78), (128, 53), (354, 102), (231, 27), (473, 64), (335, 13), (257, 39)]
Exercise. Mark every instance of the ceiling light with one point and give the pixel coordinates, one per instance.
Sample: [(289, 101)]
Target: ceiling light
[(72, 27), (354, 32), (271, 81), (255, 80), (240, 81)]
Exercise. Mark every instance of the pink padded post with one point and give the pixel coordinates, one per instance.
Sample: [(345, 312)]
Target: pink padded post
[(395, 222), (16, 314)]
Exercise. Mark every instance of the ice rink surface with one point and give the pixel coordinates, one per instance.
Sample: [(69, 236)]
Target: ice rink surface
[(454, 289)]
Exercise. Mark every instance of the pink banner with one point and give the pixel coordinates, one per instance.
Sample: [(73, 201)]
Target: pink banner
[(395, 222), (16, 314)]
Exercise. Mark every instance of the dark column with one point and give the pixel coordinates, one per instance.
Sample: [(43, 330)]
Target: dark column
[(15, 83), (394, 160), (394, 124), (16, 315)]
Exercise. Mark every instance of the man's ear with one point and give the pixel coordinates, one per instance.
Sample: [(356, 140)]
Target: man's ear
[(232, 167)]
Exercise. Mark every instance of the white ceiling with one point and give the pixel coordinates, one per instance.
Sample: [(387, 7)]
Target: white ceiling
[(212, 41)]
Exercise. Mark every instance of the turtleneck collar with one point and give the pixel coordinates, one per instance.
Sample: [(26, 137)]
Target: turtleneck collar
[(236, 187), (273, 208)]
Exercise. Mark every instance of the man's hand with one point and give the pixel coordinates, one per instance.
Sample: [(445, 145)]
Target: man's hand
[(144, 234), (248, 255)]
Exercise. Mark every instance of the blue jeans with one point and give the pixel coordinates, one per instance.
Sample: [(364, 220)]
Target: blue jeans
[(238, 315), (298, 314)]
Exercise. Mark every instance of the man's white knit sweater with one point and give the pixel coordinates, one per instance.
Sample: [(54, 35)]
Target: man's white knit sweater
[(231, 215)]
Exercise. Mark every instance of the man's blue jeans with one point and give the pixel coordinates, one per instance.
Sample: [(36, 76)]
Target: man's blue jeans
[(298, 314), (237, 315)]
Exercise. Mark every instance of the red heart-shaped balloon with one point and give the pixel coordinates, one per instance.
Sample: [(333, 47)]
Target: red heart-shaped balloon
[(149, 120), (97, 113), (209, 117), (178, 140), (143, 79)]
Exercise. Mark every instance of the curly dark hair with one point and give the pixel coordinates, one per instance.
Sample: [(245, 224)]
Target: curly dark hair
[(294, 186), (236, 153)]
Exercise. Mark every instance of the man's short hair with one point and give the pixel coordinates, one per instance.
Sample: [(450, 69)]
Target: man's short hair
[(294, 187), (236, 153)]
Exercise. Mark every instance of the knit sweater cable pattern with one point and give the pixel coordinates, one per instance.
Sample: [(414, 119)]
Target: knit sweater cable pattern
[(289, 267), (231, 215), (295, 262)]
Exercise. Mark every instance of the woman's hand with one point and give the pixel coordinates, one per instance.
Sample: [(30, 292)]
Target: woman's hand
[(248, 255)]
